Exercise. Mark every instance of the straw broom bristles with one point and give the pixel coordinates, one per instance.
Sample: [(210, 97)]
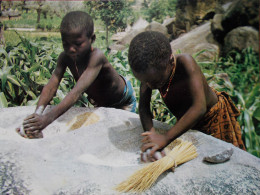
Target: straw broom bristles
[(143, 179)]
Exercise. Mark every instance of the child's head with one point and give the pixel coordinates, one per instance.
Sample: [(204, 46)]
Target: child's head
[(150, 58), (77, 33), (77, 21)]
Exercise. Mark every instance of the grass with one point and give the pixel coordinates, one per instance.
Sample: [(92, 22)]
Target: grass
[(29, 20), (11, 37)]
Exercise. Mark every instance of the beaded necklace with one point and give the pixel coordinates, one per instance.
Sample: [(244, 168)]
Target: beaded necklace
[(77, 70), (170, 80)]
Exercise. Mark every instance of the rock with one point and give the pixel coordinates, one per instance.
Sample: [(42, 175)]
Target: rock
[(241, 13), (208, 51), (192, 12), (130, 35), (168, 23), (118, 36), (117, 47), (195, 41), (124, 38), (217, 29), (98, 155), (241, 38), (220, 157), (140, 24), (155, 26)]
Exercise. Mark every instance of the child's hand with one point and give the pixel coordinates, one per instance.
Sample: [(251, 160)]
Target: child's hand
[(146, 156), (154, 141), (34, 124)]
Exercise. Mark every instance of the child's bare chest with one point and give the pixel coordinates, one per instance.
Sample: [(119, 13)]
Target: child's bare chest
[(178, 98)]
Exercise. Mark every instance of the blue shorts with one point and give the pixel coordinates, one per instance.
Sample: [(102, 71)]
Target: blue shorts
[(128, 101)]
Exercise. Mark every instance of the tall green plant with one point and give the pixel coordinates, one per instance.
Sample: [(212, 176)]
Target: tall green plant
[(238, 74), (26, 68)]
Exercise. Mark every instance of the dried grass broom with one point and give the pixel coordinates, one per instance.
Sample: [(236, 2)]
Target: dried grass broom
[(143, 179)]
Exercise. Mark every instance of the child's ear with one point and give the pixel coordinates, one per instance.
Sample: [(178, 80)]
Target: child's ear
[(93, 38)]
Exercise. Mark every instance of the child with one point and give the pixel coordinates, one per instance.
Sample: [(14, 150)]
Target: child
[(184, 90), (90, 68)]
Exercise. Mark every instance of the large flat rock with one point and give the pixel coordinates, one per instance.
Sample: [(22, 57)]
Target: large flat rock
[(96, 156)]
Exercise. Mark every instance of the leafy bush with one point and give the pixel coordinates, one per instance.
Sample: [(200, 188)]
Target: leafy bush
[(25, 69), (238, 74), (153, 9)]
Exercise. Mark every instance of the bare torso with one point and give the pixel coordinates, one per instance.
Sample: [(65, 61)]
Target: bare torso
[(107, 88), (179, 98)]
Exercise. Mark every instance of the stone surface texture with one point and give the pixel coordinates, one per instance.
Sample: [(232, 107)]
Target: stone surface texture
[(100, 154)]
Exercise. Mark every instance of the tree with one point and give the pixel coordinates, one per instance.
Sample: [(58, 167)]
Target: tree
[(113, 13), (158, 9)]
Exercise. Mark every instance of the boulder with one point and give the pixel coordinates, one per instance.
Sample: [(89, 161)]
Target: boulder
[(168, 23), (124, 38), (241, 38), (155, 26), (195, 41), (140, 24), (90, 151), (217, 29), (190, 12), (241, 13)]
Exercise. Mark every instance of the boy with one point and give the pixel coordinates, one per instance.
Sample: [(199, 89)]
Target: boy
[(184, 90), (90, 68)]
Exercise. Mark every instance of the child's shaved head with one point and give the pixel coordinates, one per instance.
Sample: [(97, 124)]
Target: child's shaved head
[(77, 21), (149, 49)]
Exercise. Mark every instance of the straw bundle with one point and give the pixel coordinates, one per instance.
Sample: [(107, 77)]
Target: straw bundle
[(143, 179)]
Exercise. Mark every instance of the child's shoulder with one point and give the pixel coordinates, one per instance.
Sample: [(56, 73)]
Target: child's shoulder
[(182, 58), (98, 54)]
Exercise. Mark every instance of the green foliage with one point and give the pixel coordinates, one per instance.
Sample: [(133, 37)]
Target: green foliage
[(114, 14), (153, 10), (12, 39), (25, 69), (29, 20), (238, 74)]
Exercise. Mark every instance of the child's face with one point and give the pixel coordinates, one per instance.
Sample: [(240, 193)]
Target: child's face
[(76, 44), (155, 79)]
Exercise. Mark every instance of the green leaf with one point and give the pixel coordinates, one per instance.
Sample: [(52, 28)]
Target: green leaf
[(256, 113), (30, 93), (13, 80), (3, 101)]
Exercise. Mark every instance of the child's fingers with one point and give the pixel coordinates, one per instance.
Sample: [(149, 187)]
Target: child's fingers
[(146, 133), (29, 117), (29, 121), (148, 145), (36, 135), (145, 140), (154, 149)]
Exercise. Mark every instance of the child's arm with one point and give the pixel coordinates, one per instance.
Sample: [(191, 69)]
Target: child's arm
[(144, 107), (86, 79), (46, 96), (147, 123), (193, 114)]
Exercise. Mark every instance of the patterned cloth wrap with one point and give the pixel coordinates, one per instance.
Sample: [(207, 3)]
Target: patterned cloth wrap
[(220, 121)]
